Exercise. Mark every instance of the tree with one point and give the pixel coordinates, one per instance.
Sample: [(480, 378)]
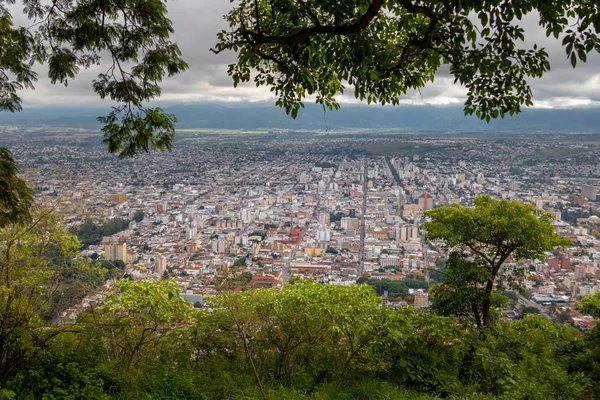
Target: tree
[(138, 216), (385, 48), (331, 250), (490, 233), (463, 292), (334, 217), (590, 305), (307, 330), (15, 197), (91, 233), (134, 37), (588, 360), (32, 286), (136, 320)]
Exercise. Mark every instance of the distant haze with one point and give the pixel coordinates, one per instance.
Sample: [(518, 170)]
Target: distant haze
[(265, 116)]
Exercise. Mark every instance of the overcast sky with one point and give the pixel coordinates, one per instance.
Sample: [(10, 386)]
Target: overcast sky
[(196, 23)]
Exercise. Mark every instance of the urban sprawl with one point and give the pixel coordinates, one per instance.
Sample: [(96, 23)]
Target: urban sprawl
[(242, 210)]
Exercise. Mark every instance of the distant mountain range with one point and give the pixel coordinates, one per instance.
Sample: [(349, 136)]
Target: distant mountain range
[(266, 116)]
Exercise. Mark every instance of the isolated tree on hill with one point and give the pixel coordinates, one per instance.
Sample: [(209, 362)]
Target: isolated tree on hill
[(489, 234), (385, 48)]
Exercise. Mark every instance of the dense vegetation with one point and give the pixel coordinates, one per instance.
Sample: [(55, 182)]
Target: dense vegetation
[(92, 233), (307, 341), (394, 288)]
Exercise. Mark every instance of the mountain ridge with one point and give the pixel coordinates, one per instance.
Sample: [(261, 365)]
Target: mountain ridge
[(256, 116)]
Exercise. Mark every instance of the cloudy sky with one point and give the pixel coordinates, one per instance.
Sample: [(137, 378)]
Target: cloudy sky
[(196, 23)]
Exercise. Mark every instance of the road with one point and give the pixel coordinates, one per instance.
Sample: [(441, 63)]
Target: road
[(363, 213), (525, 301)]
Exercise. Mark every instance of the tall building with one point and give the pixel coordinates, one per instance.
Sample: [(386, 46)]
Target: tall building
[(579, 272), (304, 178), (219, 245), (426, 201), (553, 263), (115, 251), (557, 215), (388, 260), (421, 299), (323, 235), (407, 233), (349, 223), (246, 215), (589, 192), (162, 207), (119, 198), (160, 265), (190, 233), (324, 218)]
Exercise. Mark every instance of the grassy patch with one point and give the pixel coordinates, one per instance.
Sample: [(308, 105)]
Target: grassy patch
[(402, 148), (550, 153)]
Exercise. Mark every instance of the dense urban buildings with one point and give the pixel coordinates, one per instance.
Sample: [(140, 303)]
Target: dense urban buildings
[(247, 210)]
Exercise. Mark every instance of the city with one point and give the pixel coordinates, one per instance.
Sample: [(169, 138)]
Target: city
[(231, 211)]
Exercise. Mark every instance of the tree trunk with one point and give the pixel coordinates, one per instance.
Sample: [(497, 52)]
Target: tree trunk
[(485, 311)]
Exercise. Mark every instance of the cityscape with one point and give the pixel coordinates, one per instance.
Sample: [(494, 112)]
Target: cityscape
[(235, 210)]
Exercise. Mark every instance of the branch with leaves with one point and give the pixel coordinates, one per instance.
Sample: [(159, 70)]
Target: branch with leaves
[(133, 35), (382, 49)]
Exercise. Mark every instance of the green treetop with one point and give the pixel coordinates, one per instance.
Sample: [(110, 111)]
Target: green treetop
[(386, 48), (130, 37), (590, 305), (490, 233)]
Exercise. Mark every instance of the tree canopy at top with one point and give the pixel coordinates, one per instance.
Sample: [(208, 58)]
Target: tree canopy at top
[(380, 48), (133, 38), (383, 48)]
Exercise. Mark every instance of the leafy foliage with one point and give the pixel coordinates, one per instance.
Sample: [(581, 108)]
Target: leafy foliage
[(134, 35), (138, 216), (393, 287), (91, 233), (305, 341), (334, 217), (490, 233), (15, 196), (462, 293), (33, 286), (585, 357), (590, 304), (385, 48), (136, 320), (305, 333)]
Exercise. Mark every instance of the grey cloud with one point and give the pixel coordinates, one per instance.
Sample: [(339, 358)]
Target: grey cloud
[(196, 23)]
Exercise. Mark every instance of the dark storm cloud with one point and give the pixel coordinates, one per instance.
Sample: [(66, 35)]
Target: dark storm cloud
[(196, 23)]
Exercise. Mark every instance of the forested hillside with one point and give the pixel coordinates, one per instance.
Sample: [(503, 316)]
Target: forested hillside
[(142, 340)]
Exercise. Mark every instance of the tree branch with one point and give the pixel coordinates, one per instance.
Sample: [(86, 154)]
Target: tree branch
[(304, 34)]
